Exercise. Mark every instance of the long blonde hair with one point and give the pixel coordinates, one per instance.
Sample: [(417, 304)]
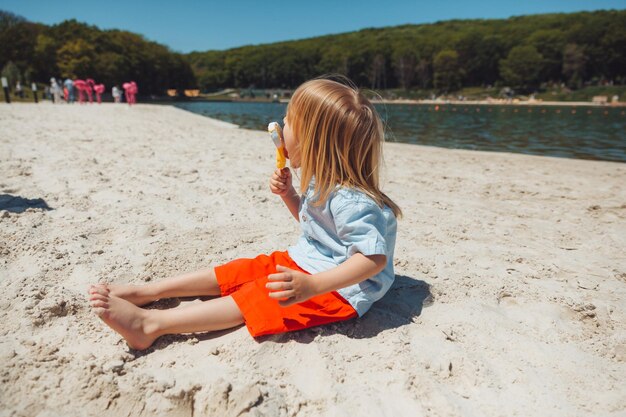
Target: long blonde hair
[(340, 136)]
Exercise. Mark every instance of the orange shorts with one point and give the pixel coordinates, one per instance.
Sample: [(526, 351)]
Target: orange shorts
[(245, 279)]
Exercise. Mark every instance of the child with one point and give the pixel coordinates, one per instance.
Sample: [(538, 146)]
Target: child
[(341, 264)]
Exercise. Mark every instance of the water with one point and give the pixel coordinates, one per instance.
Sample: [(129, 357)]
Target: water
[(581, 132)]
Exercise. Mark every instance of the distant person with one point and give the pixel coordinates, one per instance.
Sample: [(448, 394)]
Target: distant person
[(98, 89), (55, 91), (130, 91), (69, 85), (18, 90), (116, 93), (81, 87), (342, 262), (134, 90), (89, 89), (47, 91), (127, 87)]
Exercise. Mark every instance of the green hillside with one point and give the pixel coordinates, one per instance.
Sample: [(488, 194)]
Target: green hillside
[(521, 52)]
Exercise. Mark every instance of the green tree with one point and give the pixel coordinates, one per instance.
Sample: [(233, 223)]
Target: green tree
[(377, 72), (613, 46), (423, 73), (550, 44), (8, 19), (334, 59), (76, 58), (210, 70), (522, 67), (469, 54), (17, 44), (491, 50), (574, 65), (12, 74), (448, 72), (404, 62), (45, 57), (112, 68)]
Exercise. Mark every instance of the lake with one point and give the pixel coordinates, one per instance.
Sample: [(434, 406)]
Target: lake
[(562, 131)]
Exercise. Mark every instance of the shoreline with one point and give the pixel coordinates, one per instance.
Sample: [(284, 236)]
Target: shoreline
[(494, 102), (537, 103)]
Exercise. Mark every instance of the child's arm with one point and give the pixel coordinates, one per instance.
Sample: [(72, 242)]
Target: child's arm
[(280, 184), (295, 286)]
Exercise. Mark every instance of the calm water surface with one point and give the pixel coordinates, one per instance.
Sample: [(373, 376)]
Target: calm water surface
[(581, 132)]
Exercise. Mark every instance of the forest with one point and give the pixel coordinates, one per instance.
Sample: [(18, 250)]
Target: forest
[(521, 52), (33, 52), (525, 52)]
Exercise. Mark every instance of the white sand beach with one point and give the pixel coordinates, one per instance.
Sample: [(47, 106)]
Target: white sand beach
[(509, 300)]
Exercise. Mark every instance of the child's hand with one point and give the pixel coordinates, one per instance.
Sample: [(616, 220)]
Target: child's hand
[(280, 183), (290, 287)]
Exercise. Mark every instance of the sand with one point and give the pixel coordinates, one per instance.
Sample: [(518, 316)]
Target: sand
[(509, 298)]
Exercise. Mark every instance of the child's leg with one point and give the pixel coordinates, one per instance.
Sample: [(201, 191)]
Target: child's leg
[(141, 327), (192, 284)]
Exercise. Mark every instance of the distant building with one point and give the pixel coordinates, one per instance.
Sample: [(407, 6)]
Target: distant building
[(599, 99)]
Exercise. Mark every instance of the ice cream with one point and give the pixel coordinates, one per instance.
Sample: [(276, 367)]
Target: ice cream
[(277, 136)]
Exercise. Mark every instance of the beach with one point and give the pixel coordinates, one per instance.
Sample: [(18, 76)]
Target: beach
[(509, 294)]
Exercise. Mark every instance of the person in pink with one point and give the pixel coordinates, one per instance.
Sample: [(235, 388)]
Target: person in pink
[(134, 91), (130, 90), (89, 89), (81, 86), (127, 87), (99, 89)]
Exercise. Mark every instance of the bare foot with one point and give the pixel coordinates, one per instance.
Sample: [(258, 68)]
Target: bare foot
[(135, 294), (125, 318)]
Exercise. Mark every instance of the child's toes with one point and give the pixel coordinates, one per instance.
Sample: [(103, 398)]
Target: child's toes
[(99, 289), (98, 296), (99, 304)]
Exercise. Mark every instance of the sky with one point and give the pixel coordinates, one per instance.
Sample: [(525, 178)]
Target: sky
[(200, 25)]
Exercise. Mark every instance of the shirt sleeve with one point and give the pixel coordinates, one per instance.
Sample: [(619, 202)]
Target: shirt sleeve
[(361, 227)]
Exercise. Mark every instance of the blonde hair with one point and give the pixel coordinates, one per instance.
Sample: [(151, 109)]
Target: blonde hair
[(340, 136)]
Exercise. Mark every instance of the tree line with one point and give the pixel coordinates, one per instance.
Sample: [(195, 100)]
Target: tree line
[(33, 52), (521, 52)]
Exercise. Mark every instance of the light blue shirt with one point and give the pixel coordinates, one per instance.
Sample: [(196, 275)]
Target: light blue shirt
[(346, 223)]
